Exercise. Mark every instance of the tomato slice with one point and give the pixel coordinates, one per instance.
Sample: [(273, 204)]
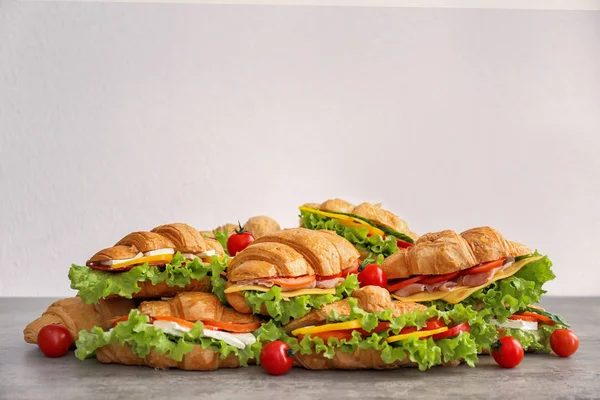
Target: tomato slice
[(519, 317), (231, 327), (403, 245), (351, 270), (431, 324), (330, 334), (404, 283), (179, 321), (541, 318), (484, 267), (430, 280), (454, 331), (296, 282), (324, 278), (383, 326)]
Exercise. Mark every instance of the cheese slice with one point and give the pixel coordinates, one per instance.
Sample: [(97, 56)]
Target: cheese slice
[(291, 293), (339, 326), (166, 258), (462, 292), (417, 334), (345, 220)]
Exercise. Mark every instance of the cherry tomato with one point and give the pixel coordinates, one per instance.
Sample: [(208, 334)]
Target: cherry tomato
[(507, 352), (239, 241), (54, 340), (277, 358), (372, 275), (564, 342)]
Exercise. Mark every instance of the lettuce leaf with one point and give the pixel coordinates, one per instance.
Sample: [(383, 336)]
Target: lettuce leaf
[(222, 236), (538, 340), (143, 338), (284, 310), (507, 296), (374, 244), (94, 285)]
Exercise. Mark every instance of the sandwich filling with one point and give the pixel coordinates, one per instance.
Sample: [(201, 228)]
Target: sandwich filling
[(427, 338), (94, 283), (173, 337), (365, 235)]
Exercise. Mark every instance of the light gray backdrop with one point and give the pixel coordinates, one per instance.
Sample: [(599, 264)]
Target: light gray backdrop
[(120, 117)]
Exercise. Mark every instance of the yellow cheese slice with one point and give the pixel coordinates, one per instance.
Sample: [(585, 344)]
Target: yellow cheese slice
[(345, 220), (462, 292), (418, 334), (340, 326), (166, 258), (291, 293)]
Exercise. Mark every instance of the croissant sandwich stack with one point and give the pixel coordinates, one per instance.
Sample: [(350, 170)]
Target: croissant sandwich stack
[(369, 227), (481, 269), (171, 297)]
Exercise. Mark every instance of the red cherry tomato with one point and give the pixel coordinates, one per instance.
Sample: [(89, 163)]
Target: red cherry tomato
[(507, 352), (564, 342), (277, 358), (54, 340), (372, 275), (239, 241)]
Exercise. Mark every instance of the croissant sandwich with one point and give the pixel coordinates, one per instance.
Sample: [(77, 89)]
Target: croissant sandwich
[(169, 259), (370, 331), (369, 227), (258, 226), (75, 315), (478, 268), (287, 273), (192, 331)]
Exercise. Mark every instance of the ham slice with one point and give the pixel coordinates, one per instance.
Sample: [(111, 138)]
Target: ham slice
[(329, 283), (478, 279), (269, 284)]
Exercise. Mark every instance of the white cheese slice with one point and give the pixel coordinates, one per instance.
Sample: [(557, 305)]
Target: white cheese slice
[(227, 337), (517, 324), (113, 262), (171, 328), (159, 252)]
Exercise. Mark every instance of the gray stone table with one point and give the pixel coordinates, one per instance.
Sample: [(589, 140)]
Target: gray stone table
[(26, 374)]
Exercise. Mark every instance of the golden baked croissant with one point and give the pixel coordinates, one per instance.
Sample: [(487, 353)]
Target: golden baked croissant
[(190, 307), (296, 254), (444, 252), (157, 249), (261, 225), (75, 315), (371, 299)]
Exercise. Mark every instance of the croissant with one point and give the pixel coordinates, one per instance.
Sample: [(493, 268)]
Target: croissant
[(261, 225), (75, 315), (198, 359), (445, 252)]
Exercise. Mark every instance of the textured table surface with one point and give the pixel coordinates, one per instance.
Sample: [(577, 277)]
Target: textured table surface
[(26, 374)]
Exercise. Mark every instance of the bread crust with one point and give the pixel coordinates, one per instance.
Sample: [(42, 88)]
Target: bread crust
[(267, 260), (359, 359), (195, 306), (146, 241), (75, 315), (314, 246), (185, 238), (444, 252), (198, 359), (118, 252), (261, 225), (337, 205), (150, 290)]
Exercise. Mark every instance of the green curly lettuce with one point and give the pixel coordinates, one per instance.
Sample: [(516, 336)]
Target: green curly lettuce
[(143, 338), (221, 236), (283, 310), (94, 285), (538, 340), (374, 244), (425, 353), (507, 296)]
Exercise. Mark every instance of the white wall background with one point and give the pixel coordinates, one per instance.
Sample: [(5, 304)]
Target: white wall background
[(120, 117)]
